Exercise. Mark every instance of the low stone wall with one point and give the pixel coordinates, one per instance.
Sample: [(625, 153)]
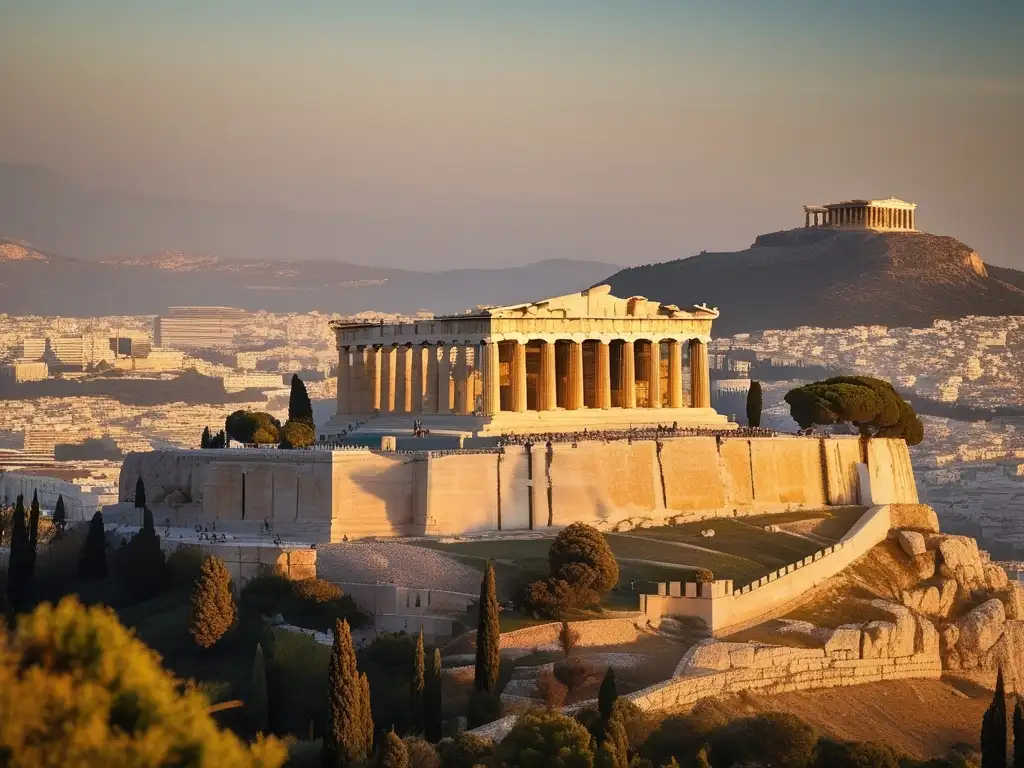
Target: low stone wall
[(78, 504), (594, 633), (247, 562), (387, 599), (719, 606)]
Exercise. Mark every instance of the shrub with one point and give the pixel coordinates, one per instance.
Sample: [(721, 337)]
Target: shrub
[(305, 754), (395, 648), (312, 603), (422, 754), (546, 740), (680, 736), (552, 690), (703, 576), (860, 754), (775, 738), (484, 707), (547, 598), (466, 750), (573, 673), (184, 565), (213, 606), (253, 427), (568, 639), (76, 688), (583, 545), (297, 434)]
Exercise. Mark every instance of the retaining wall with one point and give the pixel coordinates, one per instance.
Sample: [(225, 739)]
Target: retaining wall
[(78, 504)]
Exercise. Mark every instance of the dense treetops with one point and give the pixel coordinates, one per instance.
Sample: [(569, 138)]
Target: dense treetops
[(870, 404), (253, 427), (77, 689), (213, 605), (488, 636), (300, 408), (297, 434)]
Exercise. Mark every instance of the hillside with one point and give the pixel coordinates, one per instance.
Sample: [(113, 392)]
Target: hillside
[(40, 282), (823, 277)]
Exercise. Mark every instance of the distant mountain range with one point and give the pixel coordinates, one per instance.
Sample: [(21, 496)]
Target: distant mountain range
[(829, 278)]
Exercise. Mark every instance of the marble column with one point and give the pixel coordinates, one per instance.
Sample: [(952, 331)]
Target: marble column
[(700, 384), (373, 376), (357, 380), (574, 400), (628, 375), (403, 379), (654, 379), (675, 374), (417, 379), (519, 377), (344, 382), (431, 401), (444, 379), (604, 376), (463, 381), (387, 379), (492, 379), (547, 390)]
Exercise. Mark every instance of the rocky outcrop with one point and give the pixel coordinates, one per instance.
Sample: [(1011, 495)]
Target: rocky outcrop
[(933, 600), (917, 517), (959, 559), (911, 542)]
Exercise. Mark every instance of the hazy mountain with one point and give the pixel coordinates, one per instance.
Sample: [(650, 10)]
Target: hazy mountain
[(824, 277), (35, 281)]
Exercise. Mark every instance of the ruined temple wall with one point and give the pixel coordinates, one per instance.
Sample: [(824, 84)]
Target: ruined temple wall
[(891, 475), (462, 493), (373, 494)]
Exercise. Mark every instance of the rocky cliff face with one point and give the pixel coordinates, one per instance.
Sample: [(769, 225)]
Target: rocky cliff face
[(830, 278)]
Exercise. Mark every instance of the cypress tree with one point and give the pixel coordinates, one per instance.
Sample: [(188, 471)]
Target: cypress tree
[(33, 533), (488, 636), (92, 563), (754, 404), (60, 515), (367, 712), (213, 605), (606, 696), (607, 756), (433, 714), (147, 522), (222, 439), (299, 406), (418, 686), (1018, 736), (258, 705), (204, 441), (993, 729), (16, 587), (394, 753), (345, 732), (140, 494)]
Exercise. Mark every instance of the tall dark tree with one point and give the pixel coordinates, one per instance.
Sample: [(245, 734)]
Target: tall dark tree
[(204, 441), (33, 539), (754, 404), (434, 717), (606, 696), (345, 741), (394, 753), (257, 706), (993, 729), (488, 636), (16, 570), (213, 604), (300, 408), (418, 686), (60, 515), (140, 494), (92, 563), (141, 565), (1018, 736)]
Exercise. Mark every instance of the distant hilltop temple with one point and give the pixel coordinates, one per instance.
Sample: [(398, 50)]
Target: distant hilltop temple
[(884, 215)]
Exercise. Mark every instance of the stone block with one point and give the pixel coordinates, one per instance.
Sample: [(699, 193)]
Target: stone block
[(980, 628), (691, 589), (711, 656), (844, 642), (248, 554), (674, 589), (742, 657), (911, 542)]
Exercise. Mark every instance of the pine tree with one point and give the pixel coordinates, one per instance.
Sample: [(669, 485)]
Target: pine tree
[(204, 441), (1018, 736), (258, 705), (92, 563), (299, 406), (394, 753), (345, 734), (60, 515), (488, 636), (754, 404), (140, 494), (213, 605), (16, 569), (993, 729), (433, 715), (418, 686)]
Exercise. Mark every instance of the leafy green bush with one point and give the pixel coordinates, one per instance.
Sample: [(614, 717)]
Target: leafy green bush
[(466, 750), (253, 427), (184, 565), (679, 737), (312, 603), (297, 434), (542, 739), (774, 738), (392, 648), (856, 754), (703, 576)]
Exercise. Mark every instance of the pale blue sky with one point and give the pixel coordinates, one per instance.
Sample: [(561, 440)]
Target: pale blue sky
[(624, 132)]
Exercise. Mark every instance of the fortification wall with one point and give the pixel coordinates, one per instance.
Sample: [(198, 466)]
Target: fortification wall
[(78, 504), (326, 495)]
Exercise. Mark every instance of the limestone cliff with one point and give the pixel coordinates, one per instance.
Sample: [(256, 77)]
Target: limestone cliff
[(830, 278)]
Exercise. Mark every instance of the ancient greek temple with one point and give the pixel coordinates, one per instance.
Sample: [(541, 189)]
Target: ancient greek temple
[(885, 215), (588, 359)]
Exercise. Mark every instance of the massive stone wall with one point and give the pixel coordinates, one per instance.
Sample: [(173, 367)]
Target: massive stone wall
[(323, 495), (78, 504)]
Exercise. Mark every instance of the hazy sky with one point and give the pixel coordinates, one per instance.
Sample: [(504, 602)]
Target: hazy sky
[(626, 132)]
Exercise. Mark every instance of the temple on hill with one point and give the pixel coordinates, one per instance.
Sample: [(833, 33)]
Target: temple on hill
[(588, 359), (884, 215)]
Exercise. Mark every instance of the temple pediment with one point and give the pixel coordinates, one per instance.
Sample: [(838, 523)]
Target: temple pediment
[(598, 302)]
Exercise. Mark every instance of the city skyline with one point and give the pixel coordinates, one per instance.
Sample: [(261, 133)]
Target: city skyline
[(501, 135)]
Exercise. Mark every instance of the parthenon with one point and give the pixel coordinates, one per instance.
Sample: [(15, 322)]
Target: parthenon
[(885, 215), (586, 359)]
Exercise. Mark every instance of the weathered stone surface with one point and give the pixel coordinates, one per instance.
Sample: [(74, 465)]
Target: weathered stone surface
[(1013, 600), (927, 637), (924, 565), (980, 629), (911, 542), (877, 638), (947, 596), (844, 642), (949, 635), (901, 641), (922, 599), (918, 516), (741, 656), (961, 561), (995, 576), (711, 656)]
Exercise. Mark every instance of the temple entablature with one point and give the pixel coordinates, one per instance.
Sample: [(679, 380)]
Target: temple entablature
[(892, 214)]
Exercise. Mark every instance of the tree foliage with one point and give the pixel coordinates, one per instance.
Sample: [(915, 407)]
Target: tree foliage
[(466, 750), (253, 427), (60, 515), (868, 403), (434, 718), (257, 706), (1018, 736), (754, 404), (488, 636), (77, 689), (542, 739), (393, 753), (346, 740), (213, 605), (141, 565), (18, 587), (855, 754), (297, 434), (140, 494), (300, 409), (418, 686), (582, 569), (92, 563), (993, 728), (205, 438), (774, 738)]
